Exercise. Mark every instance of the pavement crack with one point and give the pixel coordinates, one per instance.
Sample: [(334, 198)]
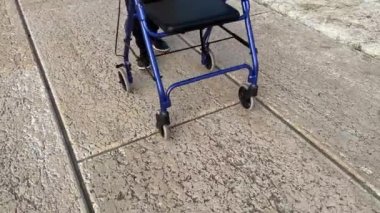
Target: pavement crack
[(155, 133)]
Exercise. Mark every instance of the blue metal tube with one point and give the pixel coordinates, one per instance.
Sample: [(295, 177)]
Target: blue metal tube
[(206, 76), (152, 34), (242, 17), (164, 100), (252, 78)]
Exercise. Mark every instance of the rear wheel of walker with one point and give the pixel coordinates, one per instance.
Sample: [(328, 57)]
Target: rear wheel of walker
[(123, 79), (247, 100), (163, 124), (209, 60)]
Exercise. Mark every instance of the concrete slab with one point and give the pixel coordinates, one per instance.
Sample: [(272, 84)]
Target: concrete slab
[(35, 172), (231, 161), (324, 88), (76, 46), (351, 22)]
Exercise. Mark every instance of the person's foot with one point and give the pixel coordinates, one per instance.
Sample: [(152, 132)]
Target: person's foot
[(160, 45), (143, 62)]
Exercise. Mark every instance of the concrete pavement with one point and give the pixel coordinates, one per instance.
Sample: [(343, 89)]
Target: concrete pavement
[(324, 89), (35, 171), (318, 99), (352, 22), (230, 161)]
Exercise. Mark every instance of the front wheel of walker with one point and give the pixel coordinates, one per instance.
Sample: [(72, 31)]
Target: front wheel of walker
[(123, 79), (163, 124), (165, 132), (246, 97)]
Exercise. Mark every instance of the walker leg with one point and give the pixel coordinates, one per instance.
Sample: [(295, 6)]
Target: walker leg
[(128, 27), (207, 56), (162, 117), (247, 93), (252, 78)]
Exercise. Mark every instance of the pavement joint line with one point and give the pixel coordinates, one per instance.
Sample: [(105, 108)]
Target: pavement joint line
[(206, 114), (155, 133), (55, 110), (117, 147), (261, 13), (337, 161)]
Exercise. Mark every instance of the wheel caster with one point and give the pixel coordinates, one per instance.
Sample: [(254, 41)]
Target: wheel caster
[(208, 60), (163, 124), (165, 132), (247, 95), (123, 79)]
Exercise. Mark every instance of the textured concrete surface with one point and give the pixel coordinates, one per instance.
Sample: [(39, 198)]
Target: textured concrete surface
[(255, 7), (221, 158), (354, 22), (325, 88), (35, 173), (231, 161), (76, 45)]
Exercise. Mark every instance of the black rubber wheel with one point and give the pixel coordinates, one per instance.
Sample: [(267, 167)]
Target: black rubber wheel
[(123, 80), (165, 132), (163, 124), (246, 98), (209, 60)]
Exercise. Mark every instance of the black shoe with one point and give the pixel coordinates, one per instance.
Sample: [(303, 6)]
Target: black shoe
[(143, 62), (160, 45)]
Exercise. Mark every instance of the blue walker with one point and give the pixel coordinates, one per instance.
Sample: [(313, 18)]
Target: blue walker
[(181, 16)]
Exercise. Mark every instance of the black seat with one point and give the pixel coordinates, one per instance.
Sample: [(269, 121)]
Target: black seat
[(179, 16)]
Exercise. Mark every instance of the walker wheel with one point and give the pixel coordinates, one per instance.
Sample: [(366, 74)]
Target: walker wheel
[(123, 80), (246, 97), (165, 132), (209, 60), (163, 124)]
